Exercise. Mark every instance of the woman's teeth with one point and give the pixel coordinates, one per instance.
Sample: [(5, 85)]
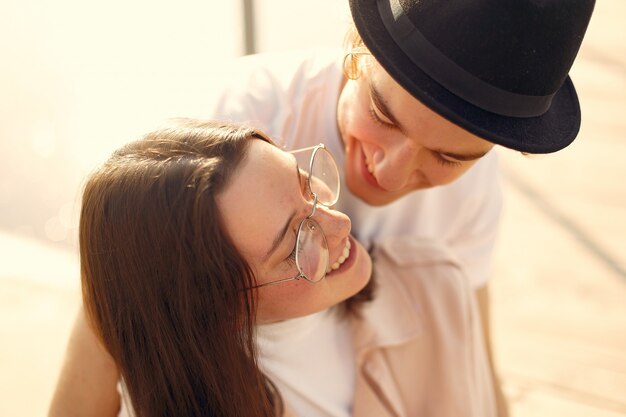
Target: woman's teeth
[(344, 255)]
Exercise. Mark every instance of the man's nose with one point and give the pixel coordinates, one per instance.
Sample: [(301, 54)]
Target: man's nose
[(396, 165)]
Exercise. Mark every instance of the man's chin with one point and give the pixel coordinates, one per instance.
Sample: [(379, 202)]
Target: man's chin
[(371, 197), (379, 198)]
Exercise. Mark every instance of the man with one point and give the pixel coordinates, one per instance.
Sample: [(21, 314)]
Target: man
[(414, 107)]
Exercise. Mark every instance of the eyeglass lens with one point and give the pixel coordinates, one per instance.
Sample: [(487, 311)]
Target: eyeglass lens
[(321, 171), (324, 179), (312, 254)]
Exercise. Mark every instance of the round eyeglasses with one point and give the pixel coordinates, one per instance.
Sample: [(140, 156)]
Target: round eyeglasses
[(311, 250)]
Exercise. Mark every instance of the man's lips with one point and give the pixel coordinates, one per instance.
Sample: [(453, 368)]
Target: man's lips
[(365, 173)]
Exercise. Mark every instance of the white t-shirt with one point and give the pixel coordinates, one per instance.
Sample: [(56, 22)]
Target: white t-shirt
[(309, 359), (126, 406), (311, 362), (293, 98)]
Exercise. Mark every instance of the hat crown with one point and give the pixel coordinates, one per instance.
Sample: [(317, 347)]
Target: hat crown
[(497, 68), (521, 46)]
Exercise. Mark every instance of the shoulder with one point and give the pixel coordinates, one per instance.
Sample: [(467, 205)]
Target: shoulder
[(420, 287), (422, 269), (409, 251), (279, 93), (411, 260), (281, 70)]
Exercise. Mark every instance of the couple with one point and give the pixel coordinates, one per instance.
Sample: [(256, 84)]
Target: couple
[(220, 280)]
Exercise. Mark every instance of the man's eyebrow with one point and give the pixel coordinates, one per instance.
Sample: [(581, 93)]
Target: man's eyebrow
[(280, 236), (380, 104), (382, 107), (463, 157)]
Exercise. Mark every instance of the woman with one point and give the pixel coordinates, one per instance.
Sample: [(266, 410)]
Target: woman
[(198, 236)]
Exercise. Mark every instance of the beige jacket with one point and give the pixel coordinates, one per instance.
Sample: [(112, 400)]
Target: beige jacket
[(418, 345)]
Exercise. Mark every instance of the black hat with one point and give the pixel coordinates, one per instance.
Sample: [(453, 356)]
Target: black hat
[(497, 68)]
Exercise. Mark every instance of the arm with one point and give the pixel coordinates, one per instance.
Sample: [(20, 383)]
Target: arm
[(482, 298), (87, 384)]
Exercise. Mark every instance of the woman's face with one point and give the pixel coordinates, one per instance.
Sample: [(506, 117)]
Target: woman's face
[(262, 208), (394, 144)]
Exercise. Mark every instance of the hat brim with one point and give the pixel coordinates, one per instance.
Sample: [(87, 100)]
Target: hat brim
[(550, 132)]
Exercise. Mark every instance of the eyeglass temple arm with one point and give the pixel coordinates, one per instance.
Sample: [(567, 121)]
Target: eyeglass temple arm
[(314, 205), (308, 148), (297, 277)]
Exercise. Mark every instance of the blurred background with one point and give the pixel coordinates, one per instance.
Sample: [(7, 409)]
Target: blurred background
[(77, 79)]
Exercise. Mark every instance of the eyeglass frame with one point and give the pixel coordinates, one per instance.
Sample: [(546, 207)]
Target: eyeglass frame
[(301, 274)]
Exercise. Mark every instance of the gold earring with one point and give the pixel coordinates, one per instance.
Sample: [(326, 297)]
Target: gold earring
[(351, 66)]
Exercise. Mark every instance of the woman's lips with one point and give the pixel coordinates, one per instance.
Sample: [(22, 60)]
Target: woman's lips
[(349, 260)]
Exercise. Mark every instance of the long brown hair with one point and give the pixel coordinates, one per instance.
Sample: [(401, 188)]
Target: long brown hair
[(162, 282)]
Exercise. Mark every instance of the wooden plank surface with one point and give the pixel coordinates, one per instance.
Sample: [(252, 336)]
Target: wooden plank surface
[(558, 291), (559, 288)]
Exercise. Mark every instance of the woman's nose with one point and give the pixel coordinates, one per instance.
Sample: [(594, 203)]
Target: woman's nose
[(335, 224)]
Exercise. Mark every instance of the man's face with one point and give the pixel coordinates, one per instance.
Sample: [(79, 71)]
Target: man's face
[(394, 144)]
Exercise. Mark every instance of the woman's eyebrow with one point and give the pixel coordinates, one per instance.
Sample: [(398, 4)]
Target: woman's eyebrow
[(280, 236)]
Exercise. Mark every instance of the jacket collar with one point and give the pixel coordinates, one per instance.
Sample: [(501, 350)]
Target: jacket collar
[(390, 318)]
